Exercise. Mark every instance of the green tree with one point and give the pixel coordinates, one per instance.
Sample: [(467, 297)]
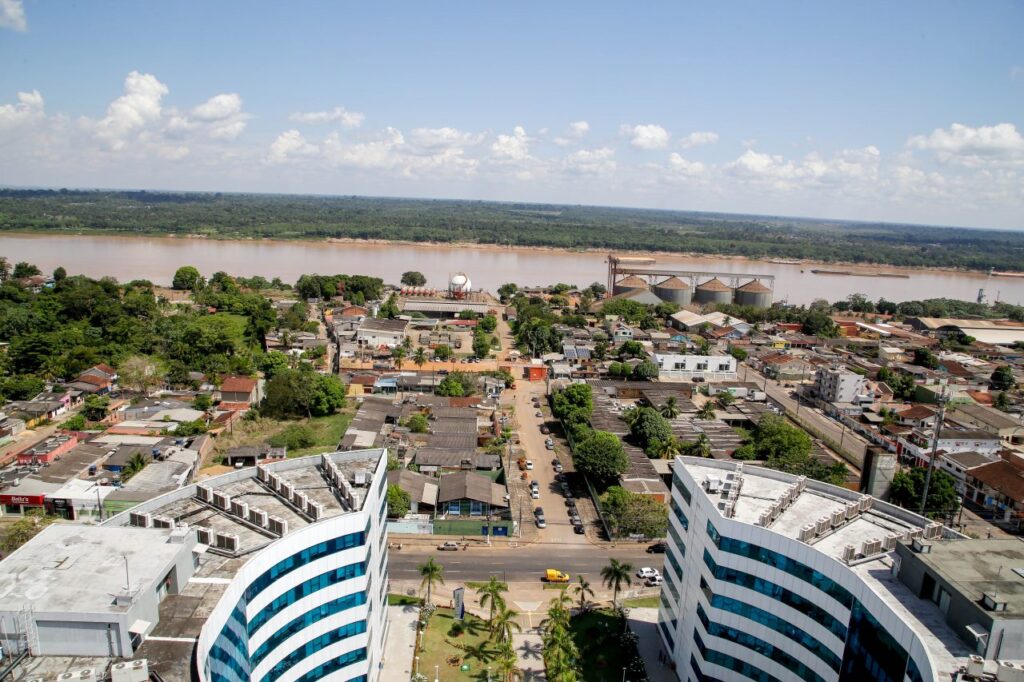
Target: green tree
[(187, 278), (1002, 401), (725, 399), (738, 353), (398, 355), (389, 309), (488, 323), (699, 447), (412, 278), (74, 423), (481, 345), (925, 358), (443, 353), (629, 513), (670, 408), (23, 270), (456, 384), (418, 423), (139, 373), (665, 449), (707, 411), (1002, 378), (95, 407), (504, 625), (908, 488), (59, 274), (399, 502), (303, 392), (135, 464), (615, 575), (419, 357), (645, 371), (432, 574), (24, 529), (507, 291), (601, 456), (492, 596), (574, 397), (21, 387), (631, 349), (202, 401), (649, 426)]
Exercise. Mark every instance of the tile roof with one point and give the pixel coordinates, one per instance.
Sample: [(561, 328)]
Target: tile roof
[(236, 384)]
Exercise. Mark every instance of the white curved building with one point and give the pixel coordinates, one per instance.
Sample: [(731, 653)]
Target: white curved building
[(777, 578), (271, 573)]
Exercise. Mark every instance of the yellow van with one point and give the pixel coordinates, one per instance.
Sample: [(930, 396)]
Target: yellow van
[(553, 576)]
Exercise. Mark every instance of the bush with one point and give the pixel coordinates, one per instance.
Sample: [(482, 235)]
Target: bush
[(294, 437), (457, 629), (75, 423)]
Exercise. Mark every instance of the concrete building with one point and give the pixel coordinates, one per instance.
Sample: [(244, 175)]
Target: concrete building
[(374, 333), (276, 572), (696, 367), (770, 576), (838, 385)]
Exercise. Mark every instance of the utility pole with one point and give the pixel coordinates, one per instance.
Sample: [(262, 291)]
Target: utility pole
[(937, 430)]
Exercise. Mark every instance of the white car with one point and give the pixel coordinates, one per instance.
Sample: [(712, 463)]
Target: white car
[(535, 493), (647, 572), (653, 582), (529, 464)]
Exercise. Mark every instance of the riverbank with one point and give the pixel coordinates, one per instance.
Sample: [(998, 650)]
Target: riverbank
[(866, 269)]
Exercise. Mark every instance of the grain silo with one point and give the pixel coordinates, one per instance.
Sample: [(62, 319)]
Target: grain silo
[(713, 291), (673, 290), (755, 294), (626, 284)]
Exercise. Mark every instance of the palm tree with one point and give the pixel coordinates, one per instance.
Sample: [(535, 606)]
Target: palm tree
[(615, 575), (419, 358), (700, 447), (707, 411), (504, 625), (507, 663), (491, 595), (432, 572), (668, 448), (630, 416), (582, 590), (670, 410), (725, 399), (398, 354)]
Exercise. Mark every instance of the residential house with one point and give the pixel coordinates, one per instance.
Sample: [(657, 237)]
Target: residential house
[(784, 366), (469, 494), (916, 446), (916, 416), (998, 487), (989, 419), (957, 464), (839, 385), (239, 390)]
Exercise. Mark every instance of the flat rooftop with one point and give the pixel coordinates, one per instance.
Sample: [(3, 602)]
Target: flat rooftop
[(979, 567), (65, 570)]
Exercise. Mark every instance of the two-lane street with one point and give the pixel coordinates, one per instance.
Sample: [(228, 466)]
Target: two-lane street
[(520, 564)]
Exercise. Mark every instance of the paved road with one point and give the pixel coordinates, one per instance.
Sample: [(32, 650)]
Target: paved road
[(854, 446), (522, 564)]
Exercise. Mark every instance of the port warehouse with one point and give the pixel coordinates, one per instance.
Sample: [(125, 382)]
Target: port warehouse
[(287, 561)]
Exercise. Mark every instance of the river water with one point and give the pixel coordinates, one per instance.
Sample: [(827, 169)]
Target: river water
[(156, 259)]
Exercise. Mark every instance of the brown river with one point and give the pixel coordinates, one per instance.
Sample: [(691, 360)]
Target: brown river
[(156, 259)]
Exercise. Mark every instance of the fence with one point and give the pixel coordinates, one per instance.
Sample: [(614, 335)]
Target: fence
[(472, 527)]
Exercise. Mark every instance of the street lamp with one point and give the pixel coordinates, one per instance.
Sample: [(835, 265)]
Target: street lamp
[(623, 675), (417, 666), (436, 669)]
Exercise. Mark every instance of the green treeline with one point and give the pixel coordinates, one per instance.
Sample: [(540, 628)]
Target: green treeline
[(570, 227)]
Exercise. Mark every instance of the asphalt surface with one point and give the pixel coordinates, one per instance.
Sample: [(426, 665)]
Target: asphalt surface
[(519, 564)]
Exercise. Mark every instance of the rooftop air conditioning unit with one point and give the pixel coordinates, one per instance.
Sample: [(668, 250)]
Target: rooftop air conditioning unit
[(258, 517), (130, 671), (890, 541), (204, 536), (739, 468), (83, 674), (1006, 671), (865, 502), (362, 478), (807, 533), (764, 519), (726, 508), (849, 552), (921, 546), (838, 516), (299, 499), (240, 509), (140, 520), (162, 522), (822, 525), (933, 530), (203, 493), (261, 473), (871, 547), (852, 510), (315, 510), (975, 665)]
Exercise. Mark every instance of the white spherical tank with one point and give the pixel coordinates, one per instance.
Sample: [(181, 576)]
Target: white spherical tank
[(460, 283)]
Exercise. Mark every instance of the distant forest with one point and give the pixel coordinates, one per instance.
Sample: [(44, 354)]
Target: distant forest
[(227, 216)]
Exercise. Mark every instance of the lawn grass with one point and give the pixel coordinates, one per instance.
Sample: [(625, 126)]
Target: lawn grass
[(403, 600), (602, 657), (436, 649), (642, 602)]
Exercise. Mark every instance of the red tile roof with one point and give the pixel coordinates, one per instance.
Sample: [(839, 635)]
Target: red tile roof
[(1002, 476), (916, 412), (238, 384)]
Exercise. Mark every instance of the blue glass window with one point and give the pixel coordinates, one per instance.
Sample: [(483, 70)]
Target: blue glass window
[(314, 645), (670, 559), (304, 590), (729, 663), (780, 625), (336, 664), (286, 566), (677, 482), (314, 615), (680, 515), (782, 563), (674, 534), (751, 582), (871, 652)]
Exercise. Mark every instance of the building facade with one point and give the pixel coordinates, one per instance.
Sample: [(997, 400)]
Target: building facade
[(799, 588), (696, 367), (838, 385)]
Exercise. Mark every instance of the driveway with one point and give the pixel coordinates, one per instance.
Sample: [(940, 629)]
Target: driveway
[(400, 646)]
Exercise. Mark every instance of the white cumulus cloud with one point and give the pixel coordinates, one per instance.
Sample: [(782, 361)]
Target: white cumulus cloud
[(698, 138), (432, 138), (139, 106), (288, 145), (12, 15), (591, 162), (577, 130), (29, 107), (973, 146), (339, 115), (646, 136), (514, 147), (681, 166), (218, 107)]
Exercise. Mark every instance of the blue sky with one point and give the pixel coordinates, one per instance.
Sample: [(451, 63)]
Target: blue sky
[(878, 111)]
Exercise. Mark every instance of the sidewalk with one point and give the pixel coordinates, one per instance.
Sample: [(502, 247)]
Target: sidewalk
[(644, 622), (400, 645), (529, 651)]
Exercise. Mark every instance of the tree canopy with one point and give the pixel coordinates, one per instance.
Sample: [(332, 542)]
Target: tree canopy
[(601, 456)]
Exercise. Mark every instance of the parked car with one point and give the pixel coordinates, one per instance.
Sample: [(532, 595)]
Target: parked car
[(647, 572), (529, 465), (541, 522), (538, 414), (534, 494), (657, 548), (578, 529), (549, 446), (448, 546), (653, 582), (559, 468), (538, 511), (544, 429)]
